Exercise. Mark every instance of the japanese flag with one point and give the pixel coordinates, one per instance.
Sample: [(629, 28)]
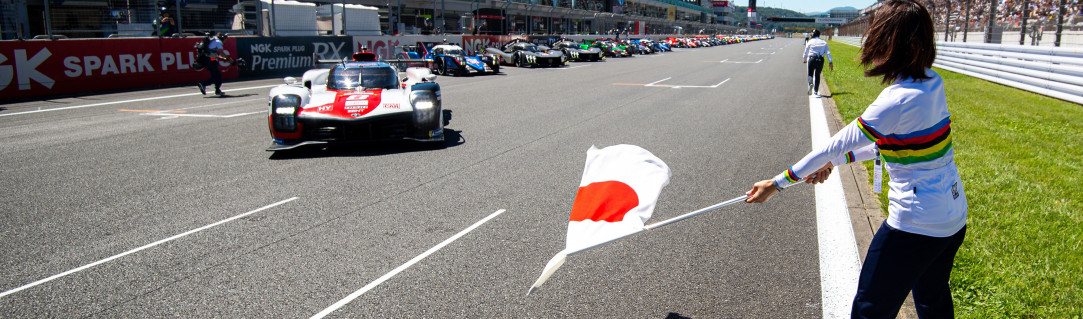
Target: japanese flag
[(620, 186), (616, 196)]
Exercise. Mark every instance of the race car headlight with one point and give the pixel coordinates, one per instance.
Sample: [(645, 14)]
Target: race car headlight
[(423, 105), (284, 110), (426, 107)]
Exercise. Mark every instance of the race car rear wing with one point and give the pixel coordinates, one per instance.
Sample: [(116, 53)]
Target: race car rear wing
[(400, 64)]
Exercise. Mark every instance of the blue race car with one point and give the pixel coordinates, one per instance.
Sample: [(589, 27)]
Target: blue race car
[(450, 59)]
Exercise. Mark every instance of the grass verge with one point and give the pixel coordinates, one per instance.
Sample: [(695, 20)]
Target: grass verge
[(1020, 155)]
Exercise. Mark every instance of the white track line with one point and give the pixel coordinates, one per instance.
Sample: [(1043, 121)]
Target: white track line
[(141, 248), (394, 272), (176, 115), (840, 264), (129, 101)]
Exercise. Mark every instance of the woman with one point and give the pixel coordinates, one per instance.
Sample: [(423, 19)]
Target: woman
[(910, 127)]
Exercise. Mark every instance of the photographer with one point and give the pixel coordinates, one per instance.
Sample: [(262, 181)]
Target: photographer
[(167, 27)]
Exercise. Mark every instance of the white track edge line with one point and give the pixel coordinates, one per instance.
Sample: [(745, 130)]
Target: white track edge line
[(129, 101), (840, 264), (408, 264), (84, 267)]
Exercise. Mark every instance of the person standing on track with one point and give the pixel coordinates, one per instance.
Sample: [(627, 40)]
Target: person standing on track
[(909, 127), (210, 51), (815, 51)]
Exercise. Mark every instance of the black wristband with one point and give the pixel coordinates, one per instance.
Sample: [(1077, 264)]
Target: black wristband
[(778, 188)]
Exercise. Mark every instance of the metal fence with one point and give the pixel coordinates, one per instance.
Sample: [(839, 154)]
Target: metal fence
[(1026, 22), (172, 18), (1050, 71), (128, 18), (55, 19)]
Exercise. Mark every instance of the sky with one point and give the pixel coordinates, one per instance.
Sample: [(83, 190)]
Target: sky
[(806, 6)]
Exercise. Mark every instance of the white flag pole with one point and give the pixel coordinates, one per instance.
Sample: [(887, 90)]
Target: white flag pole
[(559, 259)]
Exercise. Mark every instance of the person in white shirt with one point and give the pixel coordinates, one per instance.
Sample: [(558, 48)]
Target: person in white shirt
[(909, 127), (815, 52), (208, 58)]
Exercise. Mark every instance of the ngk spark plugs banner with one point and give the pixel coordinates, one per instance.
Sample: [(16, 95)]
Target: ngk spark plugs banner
[(479, 43), (289, 55), (41, 68)]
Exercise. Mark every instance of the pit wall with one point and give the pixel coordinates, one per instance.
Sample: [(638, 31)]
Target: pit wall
[(46, 68)]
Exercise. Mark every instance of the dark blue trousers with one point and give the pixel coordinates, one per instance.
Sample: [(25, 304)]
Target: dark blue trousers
[(899, 262), (815, 67), (216, 74)]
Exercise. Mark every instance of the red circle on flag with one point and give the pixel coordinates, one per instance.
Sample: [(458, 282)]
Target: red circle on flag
[(604, 201)]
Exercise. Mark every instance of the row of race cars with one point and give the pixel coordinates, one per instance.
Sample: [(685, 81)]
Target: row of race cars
[(450, 59), (363, 98)]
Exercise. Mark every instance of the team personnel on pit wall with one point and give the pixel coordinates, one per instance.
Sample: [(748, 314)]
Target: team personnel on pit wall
[(909, 126), (815, 51)]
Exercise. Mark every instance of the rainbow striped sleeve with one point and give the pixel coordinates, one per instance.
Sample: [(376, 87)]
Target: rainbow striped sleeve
[(916, 147), (867, 129), (850, 157), (790, 176)]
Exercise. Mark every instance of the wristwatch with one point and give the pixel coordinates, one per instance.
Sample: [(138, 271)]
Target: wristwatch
[(775, 184)]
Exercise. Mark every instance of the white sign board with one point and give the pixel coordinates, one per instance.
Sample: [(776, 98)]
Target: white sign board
[(831, 20)]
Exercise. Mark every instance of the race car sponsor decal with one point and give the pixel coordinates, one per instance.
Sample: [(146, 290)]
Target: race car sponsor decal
[(392, 105), (357, 104)]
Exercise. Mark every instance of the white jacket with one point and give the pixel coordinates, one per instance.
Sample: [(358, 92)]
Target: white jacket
[(910, 126)]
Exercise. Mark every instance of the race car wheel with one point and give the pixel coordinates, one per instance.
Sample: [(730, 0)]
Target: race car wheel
[(443, 69), (519, 61)]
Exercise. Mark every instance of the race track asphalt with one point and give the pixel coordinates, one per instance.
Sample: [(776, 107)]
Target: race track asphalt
[(87, 179)]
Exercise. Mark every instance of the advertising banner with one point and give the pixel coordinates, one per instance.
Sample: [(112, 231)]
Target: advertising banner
[(478, 44), (289, 55), (41, 68), (544, 40), (390, 47)]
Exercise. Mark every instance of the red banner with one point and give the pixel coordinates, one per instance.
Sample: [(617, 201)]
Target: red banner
[(39, 68)]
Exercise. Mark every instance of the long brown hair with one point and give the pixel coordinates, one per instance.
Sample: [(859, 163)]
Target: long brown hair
[(899, 42)]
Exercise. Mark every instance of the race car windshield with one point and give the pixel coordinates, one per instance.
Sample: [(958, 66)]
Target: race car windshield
[(454, 52), (343, 78), (373, 78), (530, 48)]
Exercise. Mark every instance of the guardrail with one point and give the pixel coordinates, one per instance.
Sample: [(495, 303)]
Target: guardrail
[(1051, 71)]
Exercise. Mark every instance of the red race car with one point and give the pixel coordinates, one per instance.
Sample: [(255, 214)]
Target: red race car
[(353, 101)]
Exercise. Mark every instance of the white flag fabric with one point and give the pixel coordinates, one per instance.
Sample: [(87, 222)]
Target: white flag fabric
[(617, 194)]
